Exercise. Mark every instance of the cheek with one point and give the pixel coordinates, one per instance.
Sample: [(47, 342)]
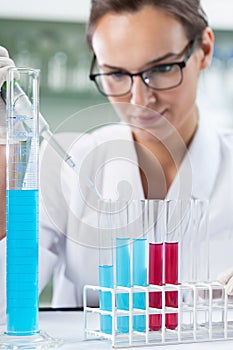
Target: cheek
[(190, 80), (184, 97), (121, 106)]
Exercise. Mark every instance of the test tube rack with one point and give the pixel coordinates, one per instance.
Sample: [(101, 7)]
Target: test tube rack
[(205, 313)]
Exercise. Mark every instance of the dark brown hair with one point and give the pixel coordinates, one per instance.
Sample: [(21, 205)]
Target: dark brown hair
[(188, 12)]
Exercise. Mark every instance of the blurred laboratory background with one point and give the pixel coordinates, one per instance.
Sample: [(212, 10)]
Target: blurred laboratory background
[(50, 35)]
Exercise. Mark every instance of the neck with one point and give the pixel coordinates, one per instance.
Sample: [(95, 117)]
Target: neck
[(162, 158), (174, 147)]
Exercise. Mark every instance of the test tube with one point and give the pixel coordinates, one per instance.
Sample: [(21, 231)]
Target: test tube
[(201, 268), (22, 219), (123, 272), (156, 236), (139, 226), (105, 262), (174, 217)]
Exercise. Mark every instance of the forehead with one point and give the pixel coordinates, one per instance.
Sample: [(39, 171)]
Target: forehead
[(128, 39)]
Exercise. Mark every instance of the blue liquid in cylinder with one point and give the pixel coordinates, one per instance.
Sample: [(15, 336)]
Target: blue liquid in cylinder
[(106, 280), (140, 279), (22, 262), (123, 279)]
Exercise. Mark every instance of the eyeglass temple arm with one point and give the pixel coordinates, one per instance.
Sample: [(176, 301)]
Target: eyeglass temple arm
[(92, 67)]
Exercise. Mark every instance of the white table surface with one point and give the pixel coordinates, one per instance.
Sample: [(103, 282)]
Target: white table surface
[(68, 325)]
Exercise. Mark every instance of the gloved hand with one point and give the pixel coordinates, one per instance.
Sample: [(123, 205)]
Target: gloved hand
[(5, 63), (226, 278)]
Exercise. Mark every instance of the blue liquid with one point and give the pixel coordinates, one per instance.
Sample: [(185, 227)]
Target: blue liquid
[(140, 279), (106, 280), (22, 262), (123, 279)]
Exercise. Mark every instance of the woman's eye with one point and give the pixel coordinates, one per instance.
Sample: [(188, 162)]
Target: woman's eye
[(117, 75), (165, 68)]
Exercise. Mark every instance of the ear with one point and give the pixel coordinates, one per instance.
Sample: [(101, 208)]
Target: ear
[(207, 47)]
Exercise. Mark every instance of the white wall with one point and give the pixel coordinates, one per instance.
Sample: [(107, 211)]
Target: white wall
[(67, 10), (220, 12)]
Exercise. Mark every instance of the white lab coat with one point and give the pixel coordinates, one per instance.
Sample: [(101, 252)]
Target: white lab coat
[(68, 219)]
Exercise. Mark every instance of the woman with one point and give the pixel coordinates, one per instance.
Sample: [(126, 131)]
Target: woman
[(147, 58), (151, 37)]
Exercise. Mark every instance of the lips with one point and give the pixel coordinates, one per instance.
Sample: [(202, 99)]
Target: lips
[(147, 120)]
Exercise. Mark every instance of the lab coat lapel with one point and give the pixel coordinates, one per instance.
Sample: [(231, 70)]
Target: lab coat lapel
[(120, 174), (198, 171)]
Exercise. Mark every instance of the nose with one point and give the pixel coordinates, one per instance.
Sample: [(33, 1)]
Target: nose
[(140, 93)]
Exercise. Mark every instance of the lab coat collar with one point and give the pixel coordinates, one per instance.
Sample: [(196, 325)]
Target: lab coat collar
[(120, 177), (198, 171), (195, 178)]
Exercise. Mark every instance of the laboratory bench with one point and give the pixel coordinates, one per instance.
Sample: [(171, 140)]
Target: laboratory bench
[(69, 327)]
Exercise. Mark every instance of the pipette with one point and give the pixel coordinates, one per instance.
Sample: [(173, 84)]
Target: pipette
[(21, 102)]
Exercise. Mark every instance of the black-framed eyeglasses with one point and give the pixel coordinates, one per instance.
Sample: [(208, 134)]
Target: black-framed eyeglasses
[(159, 77)]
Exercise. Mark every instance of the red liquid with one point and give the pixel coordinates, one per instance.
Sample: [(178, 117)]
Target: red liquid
[(155, 277), (171, 276)]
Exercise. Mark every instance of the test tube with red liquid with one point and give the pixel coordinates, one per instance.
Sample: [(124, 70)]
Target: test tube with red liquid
[(174, 217), (157, 226), (171, 277)]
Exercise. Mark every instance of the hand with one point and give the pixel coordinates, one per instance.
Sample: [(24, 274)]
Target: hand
[(226, 278), (5, 64)]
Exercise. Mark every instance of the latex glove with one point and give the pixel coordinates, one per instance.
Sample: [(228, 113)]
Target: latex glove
[(226, 278), (5, 63)]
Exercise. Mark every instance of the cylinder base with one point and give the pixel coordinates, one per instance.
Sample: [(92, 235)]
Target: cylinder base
[(40, 340)]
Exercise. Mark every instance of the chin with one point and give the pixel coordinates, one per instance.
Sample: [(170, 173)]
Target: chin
[(145, 135)]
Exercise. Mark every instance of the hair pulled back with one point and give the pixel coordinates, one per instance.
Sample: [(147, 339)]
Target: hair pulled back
[(188, 12)]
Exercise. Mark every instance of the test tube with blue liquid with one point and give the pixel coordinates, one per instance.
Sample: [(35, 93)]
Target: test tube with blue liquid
[(22, 219), (106, 278), (138, 226), (123, 271)]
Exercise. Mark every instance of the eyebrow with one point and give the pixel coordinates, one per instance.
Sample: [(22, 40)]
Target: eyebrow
[(150, 63), (162, 58)]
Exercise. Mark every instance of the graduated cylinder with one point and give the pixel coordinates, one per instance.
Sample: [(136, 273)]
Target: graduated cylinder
[(22, 205)]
